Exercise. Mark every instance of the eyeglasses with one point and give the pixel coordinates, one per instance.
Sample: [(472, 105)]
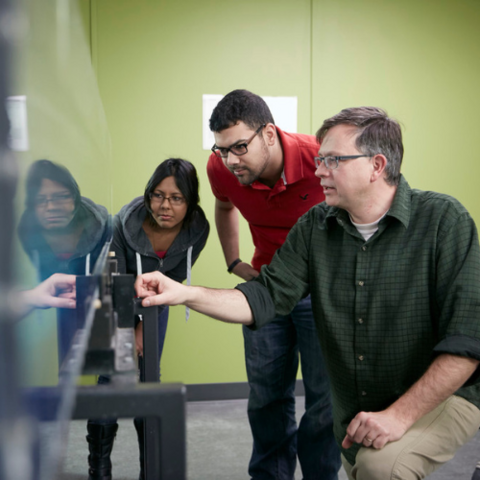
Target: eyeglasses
[(59, 200), (175, 200), (331, 162), (237, 149)]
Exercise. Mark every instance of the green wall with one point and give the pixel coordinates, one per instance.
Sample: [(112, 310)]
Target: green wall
[(155, 59), (418, 59)]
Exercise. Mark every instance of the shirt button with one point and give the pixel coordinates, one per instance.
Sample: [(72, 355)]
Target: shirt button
[(360, 357), (364, 248), (360, 321), (340, 222), (364, 393), (361, 283)]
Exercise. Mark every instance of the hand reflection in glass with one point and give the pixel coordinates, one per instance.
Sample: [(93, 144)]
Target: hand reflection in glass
[(56, 291)]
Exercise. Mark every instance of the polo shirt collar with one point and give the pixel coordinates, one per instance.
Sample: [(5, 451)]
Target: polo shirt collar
[(292, 168)]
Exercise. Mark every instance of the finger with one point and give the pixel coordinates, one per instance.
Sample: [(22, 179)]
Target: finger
[(347, 442), (57, 302), (367, 441), (148, 280), (70, 295), (379, 442), (147, 290), (140, 289), (150, 301), (149, 293), (353, 427), (57, 278), (141, 284), (64, 286)]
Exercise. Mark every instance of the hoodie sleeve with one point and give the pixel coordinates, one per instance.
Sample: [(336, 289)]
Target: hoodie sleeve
[(119, 245)]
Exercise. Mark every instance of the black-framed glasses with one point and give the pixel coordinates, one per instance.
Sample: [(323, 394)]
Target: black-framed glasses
[(237, 149), (58, 199), (174, 200), (331, 161)]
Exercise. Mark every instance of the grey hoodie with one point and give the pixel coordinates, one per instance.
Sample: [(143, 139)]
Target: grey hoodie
[(135, 253)]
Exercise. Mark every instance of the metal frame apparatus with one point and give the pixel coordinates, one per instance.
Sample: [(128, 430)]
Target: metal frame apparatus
[(111, 352)]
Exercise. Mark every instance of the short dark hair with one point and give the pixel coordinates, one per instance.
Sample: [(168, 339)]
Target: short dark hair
[(41, 169), (240, 106), (186, 179), (377, 134)]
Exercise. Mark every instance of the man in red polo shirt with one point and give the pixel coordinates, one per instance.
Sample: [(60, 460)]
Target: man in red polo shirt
[(268, 175)]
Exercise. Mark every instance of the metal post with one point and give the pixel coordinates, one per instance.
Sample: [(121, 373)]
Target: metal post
[(150, 372)]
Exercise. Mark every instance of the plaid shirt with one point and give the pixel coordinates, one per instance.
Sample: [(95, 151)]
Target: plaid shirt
[(383, 307)]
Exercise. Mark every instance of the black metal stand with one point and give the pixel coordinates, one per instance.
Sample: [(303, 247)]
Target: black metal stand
[(163, 405)]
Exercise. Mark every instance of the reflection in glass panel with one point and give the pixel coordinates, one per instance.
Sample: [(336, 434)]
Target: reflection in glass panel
[(61, 232), (62, 144)]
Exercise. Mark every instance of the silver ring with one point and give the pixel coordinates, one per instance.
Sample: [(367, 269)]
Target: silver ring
[(368, 439)]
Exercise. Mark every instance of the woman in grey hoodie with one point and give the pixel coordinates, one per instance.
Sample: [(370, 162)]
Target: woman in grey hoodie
[(165, 231), (61, 232)]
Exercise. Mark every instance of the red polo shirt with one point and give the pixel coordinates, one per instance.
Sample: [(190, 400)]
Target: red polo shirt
[(272, 212)]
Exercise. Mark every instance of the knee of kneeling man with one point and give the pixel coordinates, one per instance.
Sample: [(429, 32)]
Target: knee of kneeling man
[(371, 464)]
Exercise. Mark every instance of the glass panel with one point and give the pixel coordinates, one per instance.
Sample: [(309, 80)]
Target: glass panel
[(62, 228)]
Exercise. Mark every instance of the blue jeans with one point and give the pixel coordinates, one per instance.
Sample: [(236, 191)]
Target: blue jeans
[(272, 358), (105, 379)]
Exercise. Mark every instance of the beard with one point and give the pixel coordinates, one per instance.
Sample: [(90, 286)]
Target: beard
[(248, 175)]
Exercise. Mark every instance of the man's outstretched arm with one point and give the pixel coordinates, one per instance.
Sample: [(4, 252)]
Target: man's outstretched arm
[(226, 305)]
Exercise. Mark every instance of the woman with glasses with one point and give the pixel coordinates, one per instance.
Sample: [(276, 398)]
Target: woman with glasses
[(165, 231), (61, 232)]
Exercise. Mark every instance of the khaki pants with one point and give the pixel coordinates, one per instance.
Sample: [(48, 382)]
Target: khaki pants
[(426, 446)]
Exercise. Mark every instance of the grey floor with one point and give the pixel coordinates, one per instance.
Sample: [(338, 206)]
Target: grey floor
[(218, 447)]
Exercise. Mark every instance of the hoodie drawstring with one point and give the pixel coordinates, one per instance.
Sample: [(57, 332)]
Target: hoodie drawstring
[(189, 277), (139, 264), (87, 265)]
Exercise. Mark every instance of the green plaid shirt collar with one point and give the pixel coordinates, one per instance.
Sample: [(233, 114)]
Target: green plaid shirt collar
[(400, 209)]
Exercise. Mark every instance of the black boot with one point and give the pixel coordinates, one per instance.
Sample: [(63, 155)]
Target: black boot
[(476, 473), (138, 422), (100, 443)]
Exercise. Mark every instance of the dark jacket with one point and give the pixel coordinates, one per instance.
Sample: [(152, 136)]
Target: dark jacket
[(94, 235), (131, 244)]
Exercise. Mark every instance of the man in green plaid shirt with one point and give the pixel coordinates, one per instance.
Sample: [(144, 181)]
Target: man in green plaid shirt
[(394, 276)]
